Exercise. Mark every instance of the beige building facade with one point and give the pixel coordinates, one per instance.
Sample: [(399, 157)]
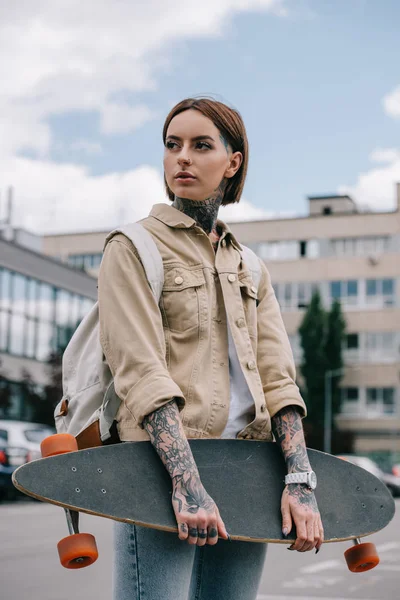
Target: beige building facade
[(346, 254)]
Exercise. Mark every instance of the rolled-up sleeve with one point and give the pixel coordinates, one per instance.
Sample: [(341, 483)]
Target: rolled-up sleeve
[(131, 333), (274, 354)]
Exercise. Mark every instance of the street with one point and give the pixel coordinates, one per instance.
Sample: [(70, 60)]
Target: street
[(30, 568)]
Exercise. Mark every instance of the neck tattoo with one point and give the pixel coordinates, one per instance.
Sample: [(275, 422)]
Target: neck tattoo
[(204, 212)]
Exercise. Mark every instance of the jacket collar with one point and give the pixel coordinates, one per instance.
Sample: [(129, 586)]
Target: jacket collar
[(175, 218)]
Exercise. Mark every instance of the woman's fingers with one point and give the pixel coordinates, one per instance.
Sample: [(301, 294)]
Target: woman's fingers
[(183, 531), (212, 538), (221, 527), (193, 535)]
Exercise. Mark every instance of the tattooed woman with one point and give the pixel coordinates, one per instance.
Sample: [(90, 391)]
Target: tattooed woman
[(212, 360)]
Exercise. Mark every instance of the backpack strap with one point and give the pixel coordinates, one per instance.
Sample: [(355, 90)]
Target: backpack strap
[(148, 252), (154, 269), (252, 263)]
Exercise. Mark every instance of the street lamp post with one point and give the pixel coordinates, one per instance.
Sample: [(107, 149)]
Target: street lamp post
[(328, 408)]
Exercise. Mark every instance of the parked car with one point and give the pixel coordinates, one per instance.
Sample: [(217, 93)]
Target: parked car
[(10, 459), (19, 434), (396, 470), (391, 481)]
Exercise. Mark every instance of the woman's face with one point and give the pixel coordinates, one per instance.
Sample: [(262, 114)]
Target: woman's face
[(195, 148)]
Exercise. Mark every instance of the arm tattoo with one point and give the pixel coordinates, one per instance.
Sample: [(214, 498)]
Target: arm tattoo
[(204, 212), (288, 431), (166, 433), (164, 427)]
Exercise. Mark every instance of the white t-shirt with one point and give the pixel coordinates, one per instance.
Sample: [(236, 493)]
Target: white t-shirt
[(241, 409)]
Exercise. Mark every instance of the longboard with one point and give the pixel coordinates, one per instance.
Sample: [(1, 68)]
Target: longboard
[(127, 482)]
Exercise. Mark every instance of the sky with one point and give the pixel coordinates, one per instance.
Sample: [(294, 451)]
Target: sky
[(86, 86)]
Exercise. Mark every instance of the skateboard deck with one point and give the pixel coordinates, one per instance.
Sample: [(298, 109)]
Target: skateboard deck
[(127, 482)]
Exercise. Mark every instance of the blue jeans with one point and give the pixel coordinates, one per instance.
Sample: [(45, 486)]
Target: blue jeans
[(156, 565)]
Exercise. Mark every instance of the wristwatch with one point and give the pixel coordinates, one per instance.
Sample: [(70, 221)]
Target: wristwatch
[(309, 478)]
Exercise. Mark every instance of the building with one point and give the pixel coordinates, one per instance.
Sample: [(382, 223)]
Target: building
[(41, 302), (346, 254)]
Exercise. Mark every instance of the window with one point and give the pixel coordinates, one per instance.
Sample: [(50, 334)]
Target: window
[(85, 261), (346, 291), (381, 292), (5, 289), (350, 401), (352, 341), (381, 401), (372, 287), (327, 210), (31, 314), (350, 394), (335, 289)]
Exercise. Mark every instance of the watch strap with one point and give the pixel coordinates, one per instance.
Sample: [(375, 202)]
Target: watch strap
[(296, 478)]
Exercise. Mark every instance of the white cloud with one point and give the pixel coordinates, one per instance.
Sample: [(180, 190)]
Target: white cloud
[(384, 155), (87, 147), (376, 188), (391, 103), (123, 118), (59, 57), (243, 211), (67, 198)]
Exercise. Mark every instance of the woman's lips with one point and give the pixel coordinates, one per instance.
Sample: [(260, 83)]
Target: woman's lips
[(185, 179)]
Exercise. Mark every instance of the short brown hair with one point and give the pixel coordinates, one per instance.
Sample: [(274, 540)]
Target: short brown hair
[(230, 124)]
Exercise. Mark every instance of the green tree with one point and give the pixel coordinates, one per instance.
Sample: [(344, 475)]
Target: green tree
[(314, 362), (335, 336), (321, 334)]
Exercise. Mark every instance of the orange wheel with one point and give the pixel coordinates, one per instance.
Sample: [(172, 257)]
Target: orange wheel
[(59, 443), (361, 557), (77, 551)]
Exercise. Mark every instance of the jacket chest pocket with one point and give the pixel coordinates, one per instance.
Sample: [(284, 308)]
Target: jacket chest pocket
[(181, 298), (249, 299)]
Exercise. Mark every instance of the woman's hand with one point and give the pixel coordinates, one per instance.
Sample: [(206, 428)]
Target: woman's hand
[(299, 506), (197, 515)]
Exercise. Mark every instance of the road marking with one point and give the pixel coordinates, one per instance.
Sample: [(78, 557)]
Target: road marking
[(327, 564), (264, 597), (388, 547)]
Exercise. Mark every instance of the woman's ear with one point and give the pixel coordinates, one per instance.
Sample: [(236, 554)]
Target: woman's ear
[(236, 160)]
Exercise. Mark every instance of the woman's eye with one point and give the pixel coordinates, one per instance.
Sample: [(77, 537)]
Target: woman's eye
[(170, 145), (203, 145)]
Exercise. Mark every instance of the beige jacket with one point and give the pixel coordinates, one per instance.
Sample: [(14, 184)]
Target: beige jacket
[(180, 348)]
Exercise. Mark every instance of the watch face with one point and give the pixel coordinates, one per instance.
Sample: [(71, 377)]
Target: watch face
[(313, 480)]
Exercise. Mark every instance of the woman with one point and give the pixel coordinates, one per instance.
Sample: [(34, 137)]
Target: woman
[(212, 360)]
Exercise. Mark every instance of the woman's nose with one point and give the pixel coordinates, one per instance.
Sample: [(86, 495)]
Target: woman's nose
[(184, 159)]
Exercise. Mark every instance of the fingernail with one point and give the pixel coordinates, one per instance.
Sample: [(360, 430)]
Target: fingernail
[(290, 548), (317, 550), (229, 537), (285, 531)]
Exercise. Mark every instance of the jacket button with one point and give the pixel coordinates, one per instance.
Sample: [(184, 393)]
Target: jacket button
[(263, 407), (178, 280), (251, 365), (240, 322), (231, 277)]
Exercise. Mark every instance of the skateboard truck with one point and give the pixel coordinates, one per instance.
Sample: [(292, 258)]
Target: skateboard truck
[(362, 556), (72, 521), (78, 550)]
